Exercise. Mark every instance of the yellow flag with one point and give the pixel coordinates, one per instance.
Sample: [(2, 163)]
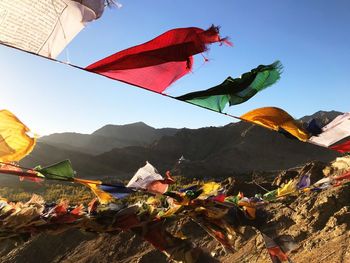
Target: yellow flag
[(210, 188), (102, 196), (275, 119), (287, 189), (15, 143), (170, 212)]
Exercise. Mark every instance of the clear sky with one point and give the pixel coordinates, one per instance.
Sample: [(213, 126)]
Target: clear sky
[(311, 38)]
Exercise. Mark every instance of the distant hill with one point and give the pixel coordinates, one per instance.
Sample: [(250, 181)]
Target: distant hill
[(219, 152), (85, 164), (235, 149), (107, 138), (321, 117)]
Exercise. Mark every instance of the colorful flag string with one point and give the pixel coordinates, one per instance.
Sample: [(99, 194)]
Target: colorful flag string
[(288, 126)]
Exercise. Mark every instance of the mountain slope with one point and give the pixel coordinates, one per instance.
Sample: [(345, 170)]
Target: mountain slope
[(237, 148), (107, 138), (219, 152)]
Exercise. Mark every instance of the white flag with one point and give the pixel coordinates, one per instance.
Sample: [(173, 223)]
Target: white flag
[(45, 27), (334, 131), (144, 177)]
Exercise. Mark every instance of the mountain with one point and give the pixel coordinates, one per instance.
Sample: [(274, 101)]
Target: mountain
[(137, 132), (321, 117), (107, 138), (235, 149)]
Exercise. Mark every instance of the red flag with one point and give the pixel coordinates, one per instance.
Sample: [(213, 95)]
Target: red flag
[(156, 64), (343, 147), (276, 253), (161, 186), (31, 179), (344, 176), (23, 173)]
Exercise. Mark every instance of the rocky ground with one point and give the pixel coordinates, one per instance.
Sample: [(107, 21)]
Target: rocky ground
[(319, 223)]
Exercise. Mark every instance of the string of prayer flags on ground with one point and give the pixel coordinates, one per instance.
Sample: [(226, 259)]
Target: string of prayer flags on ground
[(300, 185), (329, 181), (15, 139), (156, 64), (210, 207), (236, 91), (145, 179), (36, 216), (278, 120), (63, 171)]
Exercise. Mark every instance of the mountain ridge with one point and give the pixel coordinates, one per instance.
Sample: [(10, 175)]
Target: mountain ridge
[(236, 148), (107, 137)]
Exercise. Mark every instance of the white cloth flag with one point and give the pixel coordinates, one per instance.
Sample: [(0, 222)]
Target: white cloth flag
[(45, 27), (334, 131), (144, 177)]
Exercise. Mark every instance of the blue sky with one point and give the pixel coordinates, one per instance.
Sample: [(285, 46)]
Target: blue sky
[(311, 39)]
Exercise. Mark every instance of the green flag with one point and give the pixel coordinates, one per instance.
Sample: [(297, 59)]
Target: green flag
[(236, 91), (58, 171)]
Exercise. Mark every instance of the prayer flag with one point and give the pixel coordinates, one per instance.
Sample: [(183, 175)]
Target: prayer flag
[(15, 141), (59, 171), (276, 119), (156, 64), (334, 131), (235, 91), (45, 27), (343, 147), (148, 178)]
